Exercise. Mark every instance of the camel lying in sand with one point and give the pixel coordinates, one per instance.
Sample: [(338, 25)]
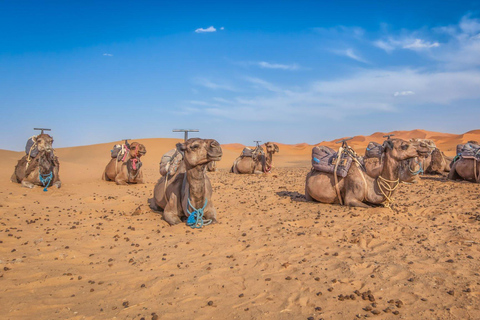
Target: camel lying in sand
[(42, 170), (466, 167), (358, 187), (126, 168), (436, 162), (409, 169), (188, 192), (259, 163)]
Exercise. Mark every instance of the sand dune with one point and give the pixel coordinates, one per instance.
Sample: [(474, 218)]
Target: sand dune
[(94, 250)]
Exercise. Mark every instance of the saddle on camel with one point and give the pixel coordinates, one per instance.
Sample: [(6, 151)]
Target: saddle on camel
[(465, 165), (125, 166), (333, 178), (40, 165), (255, 160)]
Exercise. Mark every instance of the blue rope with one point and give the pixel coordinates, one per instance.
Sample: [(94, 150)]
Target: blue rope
[(195, 218), (418, 171), (45, 179)]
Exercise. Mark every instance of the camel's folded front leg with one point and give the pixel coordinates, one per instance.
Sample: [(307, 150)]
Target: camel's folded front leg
[(27, 184), (171, 212)]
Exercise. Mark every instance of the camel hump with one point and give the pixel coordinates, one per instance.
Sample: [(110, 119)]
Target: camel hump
[(468, 150), (170, 162), (324, 159)]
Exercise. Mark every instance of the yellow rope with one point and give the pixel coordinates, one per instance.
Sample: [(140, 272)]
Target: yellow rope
[(384, 183), (337, 190)]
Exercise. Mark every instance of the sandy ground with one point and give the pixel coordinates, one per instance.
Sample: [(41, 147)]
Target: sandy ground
[(94, 250)]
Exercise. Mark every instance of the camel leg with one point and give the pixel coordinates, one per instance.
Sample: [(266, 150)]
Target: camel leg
[(355, 203), (139, 178), (104, 176), (453, 175), (307, 195), (211, 213), (121, 178), (27, 184), (171, 212)]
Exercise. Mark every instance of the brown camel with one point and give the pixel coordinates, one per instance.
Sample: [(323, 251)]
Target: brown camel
[(126, 168), (436, 162), (188, 192), (358, 187), (42, 170), (409, 169), (261, 164), (466, 167)]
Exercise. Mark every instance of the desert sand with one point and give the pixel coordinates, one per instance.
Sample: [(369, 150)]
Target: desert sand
[(95, 250)]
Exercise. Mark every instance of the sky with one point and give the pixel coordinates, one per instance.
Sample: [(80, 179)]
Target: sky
[(284, 71)]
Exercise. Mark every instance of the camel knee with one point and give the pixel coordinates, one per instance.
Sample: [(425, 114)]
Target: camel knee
[(27, 184), (58, 184), (355, 203), (171, 218)]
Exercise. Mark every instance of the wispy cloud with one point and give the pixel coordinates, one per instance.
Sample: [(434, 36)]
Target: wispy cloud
[(268, 65), (417, 44), (108, 55), (420, 44), (403, 93), (204, 82), (350, 54), (206, 30)]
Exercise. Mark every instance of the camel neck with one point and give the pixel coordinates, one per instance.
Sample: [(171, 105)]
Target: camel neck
[(45, 165), (268, 161), (196, 180), (390, 169)]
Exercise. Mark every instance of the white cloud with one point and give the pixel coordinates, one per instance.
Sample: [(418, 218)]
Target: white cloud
[(212, 85), (222, 28), (403, 93), (421, 44), (362, 93), (108, 55), (268, 65), (350, 54), (209, 29)]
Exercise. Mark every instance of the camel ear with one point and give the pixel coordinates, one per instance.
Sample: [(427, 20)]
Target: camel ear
[(181, 147), (277, 149), (387, 144)]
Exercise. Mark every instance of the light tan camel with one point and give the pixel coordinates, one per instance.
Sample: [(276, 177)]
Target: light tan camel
[(466, 167), (357, 187), (436, 162), (261, 164), (409, 170), (127, 168), (42, 170), (189, 191)]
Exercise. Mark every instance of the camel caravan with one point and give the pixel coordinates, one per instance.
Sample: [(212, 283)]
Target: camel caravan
[(39, 166), (255, 161), (184, 191), (125, 166)]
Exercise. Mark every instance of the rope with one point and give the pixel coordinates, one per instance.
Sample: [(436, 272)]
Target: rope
[(384, 183), (45, 179), (337, 190), (195, 218), (418, 171)]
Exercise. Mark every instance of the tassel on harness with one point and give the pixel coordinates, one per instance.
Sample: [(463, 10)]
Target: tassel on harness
[(45, 179), (195, 218)]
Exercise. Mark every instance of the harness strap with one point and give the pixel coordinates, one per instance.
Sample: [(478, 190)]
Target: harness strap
[(337, 189)]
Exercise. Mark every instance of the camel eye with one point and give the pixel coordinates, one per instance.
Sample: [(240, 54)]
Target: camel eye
[(194, 147), (405, 147)]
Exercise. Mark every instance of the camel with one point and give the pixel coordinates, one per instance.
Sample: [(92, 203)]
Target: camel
[(436, 162), (357, 187), (126, 168), (260, 163), (188, 192), (466, 168), (409, 169), (42, 170)]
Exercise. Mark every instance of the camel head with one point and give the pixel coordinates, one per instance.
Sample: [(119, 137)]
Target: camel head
[(271, 147), (200, 151), (399, 149), (137, 150), (44, 142)]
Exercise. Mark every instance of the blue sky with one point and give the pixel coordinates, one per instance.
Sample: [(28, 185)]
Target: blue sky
[(286, 71)]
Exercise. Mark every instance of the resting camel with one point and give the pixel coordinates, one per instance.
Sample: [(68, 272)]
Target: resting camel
[(465, 168), (409, 169), (41, 170), (262, 164), (126, 169), (357, 187), (188, 192), (436, 162)]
